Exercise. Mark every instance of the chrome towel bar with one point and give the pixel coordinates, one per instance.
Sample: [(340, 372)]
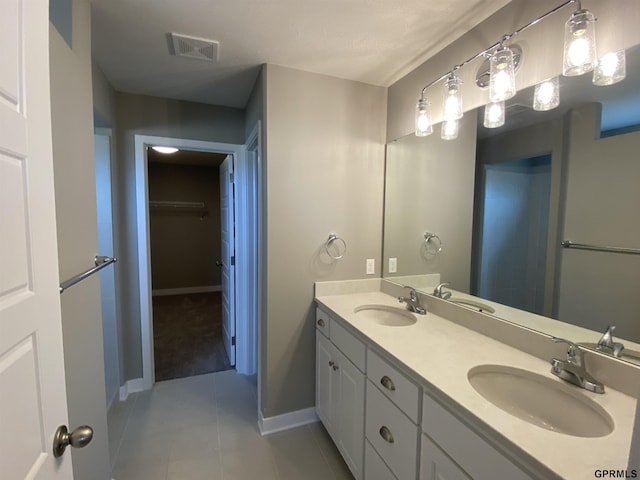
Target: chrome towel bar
[(600, 248), (100, 261)]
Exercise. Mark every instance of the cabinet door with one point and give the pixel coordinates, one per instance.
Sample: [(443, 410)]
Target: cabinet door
[(435, 465), (325, 382), (350, 413)]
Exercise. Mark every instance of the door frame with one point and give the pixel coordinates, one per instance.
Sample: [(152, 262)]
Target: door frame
[(143, 242), (249, 254)]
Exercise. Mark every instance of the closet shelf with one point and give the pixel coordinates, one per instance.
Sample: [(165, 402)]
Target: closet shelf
[(160, 207)]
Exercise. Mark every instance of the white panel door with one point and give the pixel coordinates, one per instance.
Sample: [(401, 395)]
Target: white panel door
[(227, 221), (32, 383)]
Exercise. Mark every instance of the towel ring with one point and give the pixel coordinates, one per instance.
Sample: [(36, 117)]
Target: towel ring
[(431, 240), (335, 238)]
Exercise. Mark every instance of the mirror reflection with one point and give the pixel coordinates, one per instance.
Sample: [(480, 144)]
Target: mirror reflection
[(486, 214)]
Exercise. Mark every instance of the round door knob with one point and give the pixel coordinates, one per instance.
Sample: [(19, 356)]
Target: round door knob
[(219, 263), (79, 438)]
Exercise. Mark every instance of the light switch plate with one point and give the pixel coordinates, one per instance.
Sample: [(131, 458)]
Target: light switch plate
[(393, 265), (371, 266)]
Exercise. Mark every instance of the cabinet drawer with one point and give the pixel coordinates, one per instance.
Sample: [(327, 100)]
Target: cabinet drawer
[(395, 385), (479, 459), (322, 322), (348, 344), (374, 467), (392, 434)]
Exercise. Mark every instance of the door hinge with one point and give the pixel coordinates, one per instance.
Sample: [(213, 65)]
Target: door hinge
[(233, 341), (231, 177), (233, 260)]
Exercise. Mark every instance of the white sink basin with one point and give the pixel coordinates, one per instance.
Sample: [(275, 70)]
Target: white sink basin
[(386, 315), (541, 401), (468, 302)]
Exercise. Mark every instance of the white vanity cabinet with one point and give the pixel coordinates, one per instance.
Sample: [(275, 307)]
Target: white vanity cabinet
[(467, 454), (382, 422), (340, 389), (436, 465)]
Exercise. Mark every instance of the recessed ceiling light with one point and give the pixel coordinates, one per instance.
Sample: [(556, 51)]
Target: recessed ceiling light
[(165, 150)]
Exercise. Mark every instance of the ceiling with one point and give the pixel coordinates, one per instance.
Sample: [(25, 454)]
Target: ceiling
[(372, 41)]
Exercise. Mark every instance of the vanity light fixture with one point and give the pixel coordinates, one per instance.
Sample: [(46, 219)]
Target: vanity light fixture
[(610, 69), (452, 106), (546, 95), (423, 125), (450, 129), (165, 150), (579, 57), (502, 80), (494, 115), (579, 43)]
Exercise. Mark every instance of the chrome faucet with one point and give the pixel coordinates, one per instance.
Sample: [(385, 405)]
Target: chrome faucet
[(413, 302), (438, 291), (607, 345), (573, 369)]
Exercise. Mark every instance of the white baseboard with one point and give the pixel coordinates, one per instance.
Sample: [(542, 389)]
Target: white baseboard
[(186, 290), (286, 421), (131, 386)]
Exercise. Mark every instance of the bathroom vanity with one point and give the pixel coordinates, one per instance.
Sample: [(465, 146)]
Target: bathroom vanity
[(407, 396)]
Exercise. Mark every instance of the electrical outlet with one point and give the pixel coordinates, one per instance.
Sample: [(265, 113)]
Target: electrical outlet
[(371, 266), (393, 265)]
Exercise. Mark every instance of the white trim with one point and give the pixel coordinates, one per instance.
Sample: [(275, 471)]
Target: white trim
[(144, 249), (132, 386), (248, 253), (162, 292), (287, 421)]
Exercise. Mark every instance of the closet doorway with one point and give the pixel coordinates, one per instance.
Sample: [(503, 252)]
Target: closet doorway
[(166, 219), (186, 237)]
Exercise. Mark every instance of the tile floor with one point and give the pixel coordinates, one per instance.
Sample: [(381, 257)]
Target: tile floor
[(205, 427)]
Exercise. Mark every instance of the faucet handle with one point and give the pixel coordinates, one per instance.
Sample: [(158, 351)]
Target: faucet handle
[(607, 337), (574, 354)]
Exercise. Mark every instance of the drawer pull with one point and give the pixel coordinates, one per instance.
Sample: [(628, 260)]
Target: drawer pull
[(386, 434), (321, 322), (388, 383)]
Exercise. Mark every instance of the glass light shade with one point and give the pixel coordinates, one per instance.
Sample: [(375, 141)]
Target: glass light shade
[(546, 95), (502, 80), (610, 69), (452, 99), (424, 126), (449, 130), (494, 115), (579, 43), (165, 150)]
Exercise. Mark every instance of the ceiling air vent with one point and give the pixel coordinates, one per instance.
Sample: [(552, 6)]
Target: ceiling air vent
[(193, 47)]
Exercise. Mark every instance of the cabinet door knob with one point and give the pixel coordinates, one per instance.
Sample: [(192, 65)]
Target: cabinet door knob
[(333, 365), (321, 322), (386, 434), (387, 383)]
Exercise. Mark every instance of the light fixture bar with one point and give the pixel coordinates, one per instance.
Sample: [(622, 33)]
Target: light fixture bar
[(497, 44)]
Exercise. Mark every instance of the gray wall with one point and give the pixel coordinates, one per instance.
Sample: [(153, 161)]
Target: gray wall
[(429, 188), (542, 53), (325, 169), (74, 174), (601, 208), (186, 244)]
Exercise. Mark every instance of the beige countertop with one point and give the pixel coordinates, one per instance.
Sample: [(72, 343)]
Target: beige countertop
[(441, 353)]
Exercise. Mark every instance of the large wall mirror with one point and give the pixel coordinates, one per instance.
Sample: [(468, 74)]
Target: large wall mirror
[(488, 212)]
